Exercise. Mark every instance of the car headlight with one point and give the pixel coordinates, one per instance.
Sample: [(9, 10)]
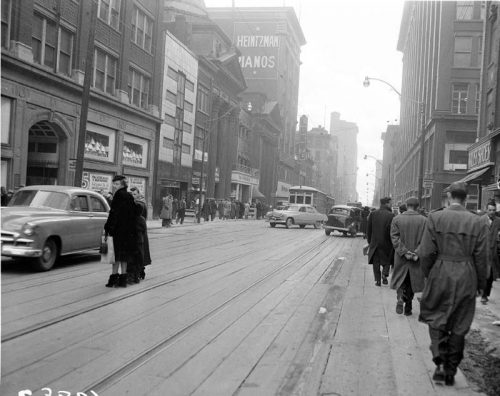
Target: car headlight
[(29, 229)]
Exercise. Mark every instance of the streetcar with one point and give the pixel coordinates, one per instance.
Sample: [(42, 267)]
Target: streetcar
[(311, 196)]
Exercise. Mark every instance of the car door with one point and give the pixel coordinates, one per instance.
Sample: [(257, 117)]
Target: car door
[(98, 217), (80, 227), (312, 215), (301, 217)]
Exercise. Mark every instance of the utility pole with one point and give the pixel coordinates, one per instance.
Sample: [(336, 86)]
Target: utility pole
[(420, 188), (89, 63)]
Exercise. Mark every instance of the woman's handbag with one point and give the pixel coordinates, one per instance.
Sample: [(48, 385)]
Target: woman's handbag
[(104, 245), (108, 253)]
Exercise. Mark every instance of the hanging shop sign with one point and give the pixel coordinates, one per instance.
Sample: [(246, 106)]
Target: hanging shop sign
[(479, 156)]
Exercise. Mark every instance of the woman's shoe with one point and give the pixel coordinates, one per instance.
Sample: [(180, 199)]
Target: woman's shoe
[(122, 280), (142, 274), (113, 280)]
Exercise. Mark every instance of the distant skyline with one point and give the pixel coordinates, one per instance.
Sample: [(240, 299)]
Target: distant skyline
[(346, 41)]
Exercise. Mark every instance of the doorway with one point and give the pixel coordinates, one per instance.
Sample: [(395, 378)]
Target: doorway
[(43, 155)]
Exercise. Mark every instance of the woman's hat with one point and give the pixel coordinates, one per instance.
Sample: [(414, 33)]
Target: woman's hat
[(119, 178)]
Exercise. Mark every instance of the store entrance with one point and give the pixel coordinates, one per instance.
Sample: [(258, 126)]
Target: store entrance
[(43, 155)]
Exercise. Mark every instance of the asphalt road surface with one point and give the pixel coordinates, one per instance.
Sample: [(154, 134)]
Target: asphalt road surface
[(229, 307)]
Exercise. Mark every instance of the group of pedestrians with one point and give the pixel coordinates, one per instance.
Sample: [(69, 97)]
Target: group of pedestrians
[(126, 224), (172, 209), (451, 256)]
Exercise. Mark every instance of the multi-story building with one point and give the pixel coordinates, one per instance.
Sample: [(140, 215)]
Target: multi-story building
[(175, 141), (321, 146), (269, 40), (44, 52), (347, 163), (484, 155), (219, 84), (441, 43), (389, 138)]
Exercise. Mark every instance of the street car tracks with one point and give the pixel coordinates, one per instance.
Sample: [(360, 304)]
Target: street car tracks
[(116, 375)]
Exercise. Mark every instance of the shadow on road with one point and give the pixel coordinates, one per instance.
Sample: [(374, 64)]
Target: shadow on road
[(19, 266)]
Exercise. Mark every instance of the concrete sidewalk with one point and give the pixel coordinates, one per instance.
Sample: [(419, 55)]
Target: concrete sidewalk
[(191, 221), (377, 352)]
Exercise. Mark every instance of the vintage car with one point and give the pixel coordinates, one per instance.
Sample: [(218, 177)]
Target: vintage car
[(44, 222), (345, 219), (296, 214)]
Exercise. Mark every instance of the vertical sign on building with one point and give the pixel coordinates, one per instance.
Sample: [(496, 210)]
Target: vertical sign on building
[(259, 44), (302, 143)]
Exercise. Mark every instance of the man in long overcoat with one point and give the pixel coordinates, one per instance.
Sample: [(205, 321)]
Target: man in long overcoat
[(406, 233), (454, 251), (378, 234), (493, 270)]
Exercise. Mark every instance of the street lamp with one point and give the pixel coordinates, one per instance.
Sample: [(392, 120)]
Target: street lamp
[(366, 84)]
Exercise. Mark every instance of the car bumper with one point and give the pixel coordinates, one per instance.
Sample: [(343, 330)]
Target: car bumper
[(333, 228), (276, 220), (20, 251)]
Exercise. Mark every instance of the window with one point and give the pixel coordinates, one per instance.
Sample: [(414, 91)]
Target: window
[(188, 106), (171, 97), (187, 127), (51, 47), (169, 120), (202, 103), (186, 148), (142, 29), (168, 143), (96, 205), (190, 85), (459, 98), (463, 51), (172, 73), (79, 203), (6, 9), (465, 10), (109, 12), (458, 157), (104, 71), (478, 99), (138, 88)]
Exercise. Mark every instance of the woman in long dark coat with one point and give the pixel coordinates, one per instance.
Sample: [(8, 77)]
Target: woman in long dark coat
[(121, 225), (143, 230)]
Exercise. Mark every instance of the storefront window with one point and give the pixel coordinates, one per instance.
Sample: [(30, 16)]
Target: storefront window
[(6, 115), (100, 143), (135, 151)]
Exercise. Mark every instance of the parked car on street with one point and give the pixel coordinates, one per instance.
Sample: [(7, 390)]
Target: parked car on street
[(44, 222), (296, 214), (345, 219)]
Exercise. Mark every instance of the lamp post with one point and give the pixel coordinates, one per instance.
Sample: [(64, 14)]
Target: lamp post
[(366, 84)]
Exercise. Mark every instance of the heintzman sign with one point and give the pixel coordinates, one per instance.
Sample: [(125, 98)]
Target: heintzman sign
[(479, 156)]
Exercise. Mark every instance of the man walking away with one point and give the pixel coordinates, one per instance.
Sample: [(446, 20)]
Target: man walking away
[(493, 267), (378, 234), (453, 251), (406, 233)]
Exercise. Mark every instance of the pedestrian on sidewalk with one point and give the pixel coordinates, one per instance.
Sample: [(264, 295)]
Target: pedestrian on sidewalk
[(407, 278), (181, 212), (493, 269), (143, 232), (453, 251), (378, 233), (121, 225), (166, 211)]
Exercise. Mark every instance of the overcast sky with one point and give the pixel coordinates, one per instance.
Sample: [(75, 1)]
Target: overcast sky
[(346, 41)]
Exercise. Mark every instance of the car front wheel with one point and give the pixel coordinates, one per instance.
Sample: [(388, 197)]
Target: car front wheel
[(317, 224), (327, 232), (289, 222), (49, 256), (272, 225)]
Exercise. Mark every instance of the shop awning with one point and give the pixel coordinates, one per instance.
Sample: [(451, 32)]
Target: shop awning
[(474, 175), (256, 193)]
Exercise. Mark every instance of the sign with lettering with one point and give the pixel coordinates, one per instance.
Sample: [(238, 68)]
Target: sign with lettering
[(479, 156), (259, 45), (283, 189), (97, 181), (137, 182)]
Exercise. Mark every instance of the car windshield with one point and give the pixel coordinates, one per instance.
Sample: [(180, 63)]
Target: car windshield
[(292, 207), (39, 198), (340, 211)]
